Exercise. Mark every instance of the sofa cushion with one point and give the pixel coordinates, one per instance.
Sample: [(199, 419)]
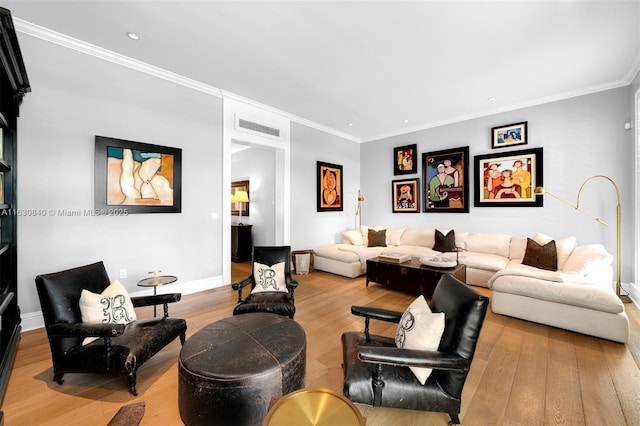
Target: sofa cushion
[(445, 243), (419, 328), (394, 235), (517, 247), (584, 295), (339, 252), (487, 243), (353, 237), (418, 237), (541, 256), (481, 261), (564, 246), (377, 238), (584, 257)]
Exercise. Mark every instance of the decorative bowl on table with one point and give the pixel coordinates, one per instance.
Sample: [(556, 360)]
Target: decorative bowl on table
[(438, 262)]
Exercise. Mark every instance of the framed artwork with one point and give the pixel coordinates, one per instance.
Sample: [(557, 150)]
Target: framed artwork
[(406, 195), (135, 177), (509, 135), (329, 178), (444, 176), (405, 160), (240, 185), (508, 179)]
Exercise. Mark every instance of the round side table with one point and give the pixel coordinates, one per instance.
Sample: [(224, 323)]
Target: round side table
[(155, 282)]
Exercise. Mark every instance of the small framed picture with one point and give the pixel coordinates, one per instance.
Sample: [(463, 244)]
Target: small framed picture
[(405, 160), (329, 177), (406, 195), (509, 135), (508, 179)]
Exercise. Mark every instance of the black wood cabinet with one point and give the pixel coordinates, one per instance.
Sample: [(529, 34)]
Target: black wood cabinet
[(241, 243), (13, 86)]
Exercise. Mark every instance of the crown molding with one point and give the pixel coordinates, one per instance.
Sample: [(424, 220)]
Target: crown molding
[(63, 40)]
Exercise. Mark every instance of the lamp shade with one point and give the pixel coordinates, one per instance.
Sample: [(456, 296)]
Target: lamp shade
[(240, 197)]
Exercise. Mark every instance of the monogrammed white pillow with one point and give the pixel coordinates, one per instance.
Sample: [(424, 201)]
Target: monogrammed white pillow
[(113, 305), (269, 278)]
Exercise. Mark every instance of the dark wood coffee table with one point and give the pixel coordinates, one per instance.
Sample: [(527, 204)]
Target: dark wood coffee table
[(410, 276)]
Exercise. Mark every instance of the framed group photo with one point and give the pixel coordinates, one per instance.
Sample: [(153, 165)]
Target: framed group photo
[(405, 160), (406, 195), (508, 179), (444, 177), (329, 179)]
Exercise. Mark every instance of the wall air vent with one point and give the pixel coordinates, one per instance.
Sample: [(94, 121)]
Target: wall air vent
[(257, 127)]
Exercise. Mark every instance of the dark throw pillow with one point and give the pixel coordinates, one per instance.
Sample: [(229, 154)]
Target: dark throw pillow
[(541, 256), (377, 238), (445, 243)]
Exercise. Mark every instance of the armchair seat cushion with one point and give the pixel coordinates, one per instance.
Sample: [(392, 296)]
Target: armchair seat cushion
[(271, 302), (140, 341), (397, 380)]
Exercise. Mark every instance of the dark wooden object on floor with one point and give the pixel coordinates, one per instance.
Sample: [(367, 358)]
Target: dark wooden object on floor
[(411, 276), (241, 243), (128, 415)]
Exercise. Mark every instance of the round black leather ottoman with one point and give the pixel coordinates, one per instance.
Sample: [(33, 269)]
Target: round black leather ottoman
[(229, 371)]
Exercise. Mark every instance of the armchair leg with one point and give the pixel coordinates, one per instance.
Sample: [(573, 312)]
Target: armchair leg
[(131, 377), (455, 420), (377, 384), (182, 338), (57, 377)]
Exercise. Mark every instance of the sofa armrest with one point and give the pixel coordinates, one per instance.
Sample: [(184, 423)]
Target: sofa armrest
[(377, 313), (157, 299)]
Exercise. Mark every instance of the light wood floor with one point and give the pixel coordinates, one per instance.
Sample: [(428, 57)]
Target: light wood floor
[(523, 373)]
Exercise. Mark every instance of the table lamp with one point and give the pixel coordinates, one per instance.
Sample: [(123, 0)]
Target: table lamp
[(240, 197)]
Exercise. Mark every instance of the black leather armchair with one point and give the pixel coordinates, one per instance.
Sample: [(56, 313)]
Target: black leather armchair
[(275, 302), (376, 371), (121, 348)]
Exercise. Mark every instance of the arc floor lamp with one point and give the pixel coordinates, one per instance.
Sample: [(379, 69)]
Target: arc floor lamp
[(542, 191)]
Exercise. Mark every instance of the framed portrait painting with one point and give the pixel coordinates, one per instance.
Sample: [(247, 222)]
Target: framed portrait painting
[(509, 135), (406, 196), (329, 183), (444, 177), (405, 160), (135, 177), (508, 179)]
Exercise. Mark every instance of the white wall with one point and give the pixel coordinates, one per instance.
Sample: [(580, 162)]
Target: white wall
[(310, 228), (581, 137), (75, 97), (257, 165)]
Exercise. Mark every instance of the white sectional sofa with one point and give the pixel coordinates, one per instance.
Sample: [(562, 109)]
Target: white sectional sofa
[(578, 296)]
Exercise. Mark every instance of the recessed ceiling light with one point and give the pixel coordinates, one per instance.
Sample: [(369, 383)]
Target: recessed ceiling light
[(405, 121), (491, 98), (133, 36), (350, 124)]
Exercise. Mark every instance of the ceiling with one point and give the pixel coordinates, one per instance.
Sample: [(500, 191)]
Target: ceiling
[(369, 69)]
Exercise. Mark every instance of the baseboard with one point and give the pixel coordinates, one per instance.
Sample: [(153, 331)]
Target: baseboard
[(634, 292), (34, 320)]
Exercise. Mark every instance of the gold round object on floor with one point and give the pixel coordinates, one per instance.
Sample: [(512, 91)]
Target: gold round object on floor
[(314, 407)]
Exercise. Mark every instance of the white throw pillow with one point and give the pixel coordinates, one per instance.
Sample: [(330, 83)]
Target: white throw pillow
[(269, 278), (394, 235), (353, 237), (420, 329), (564, 246), (584, 256), (113, 305)]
